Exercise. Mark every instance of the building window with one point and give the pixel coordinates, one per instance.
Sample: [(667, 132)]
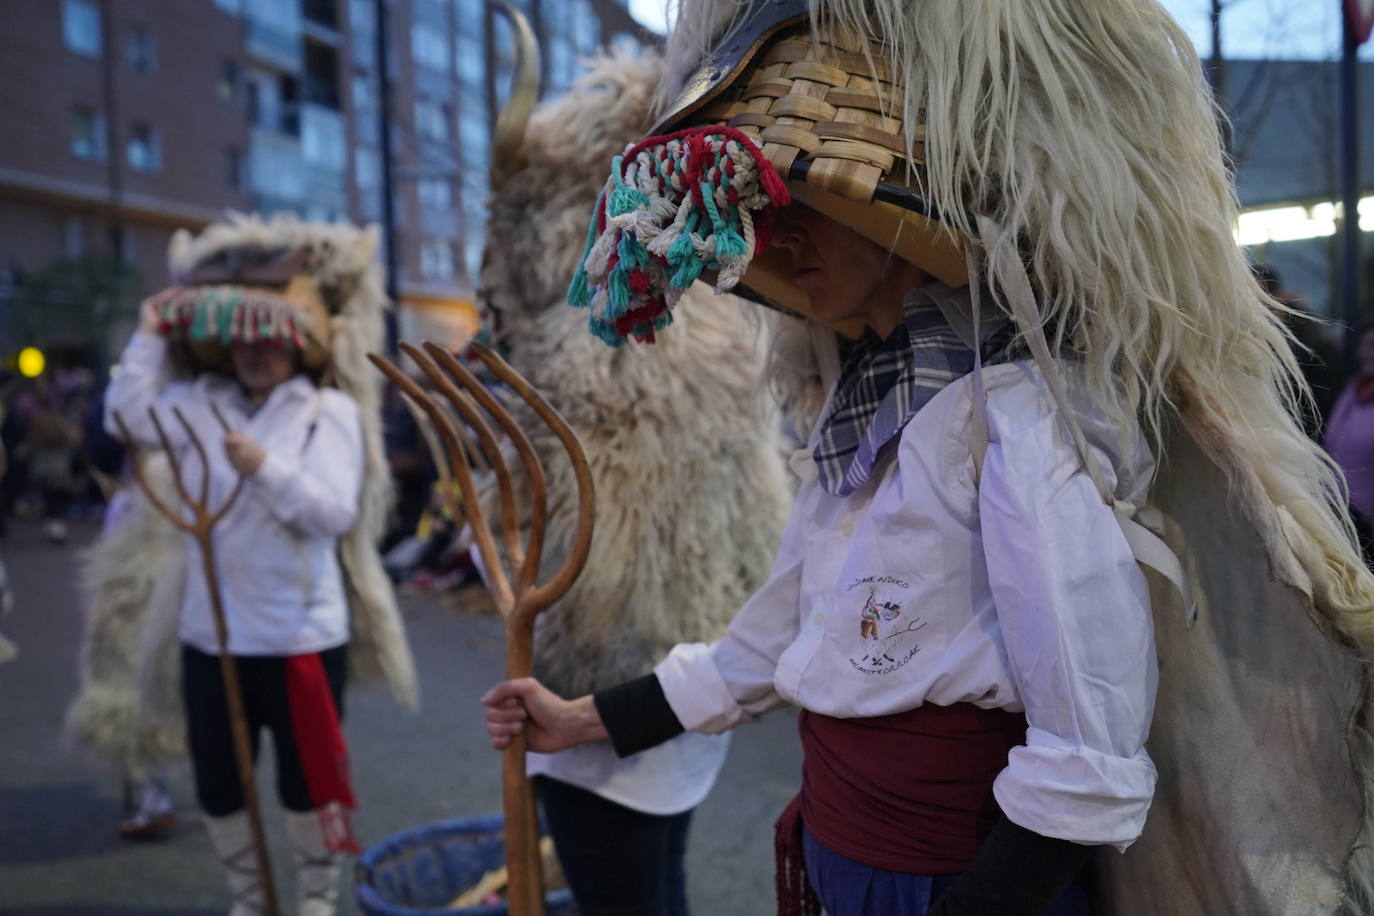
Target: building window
[(431, 120), (322, 12), (587, 35), (81, 27), (470, 55), (233, 170), (361, 16), (364, 99), (230, 79), (435, 193), (88, 134), (145, 148), (471, 10), (436, 260), (323, 140), (428, 47), (271, 102), (475, 137), (140, 49), (367, 168)]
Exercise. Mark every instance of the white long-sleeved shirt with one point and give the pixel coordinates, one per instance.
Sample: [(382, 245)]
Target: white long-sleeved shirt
[(1018, 591), (276, 549)]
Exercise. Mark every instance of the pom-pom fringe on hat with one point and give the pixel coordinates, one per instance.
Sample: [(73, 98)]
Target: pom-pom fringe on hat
[(769, 101)]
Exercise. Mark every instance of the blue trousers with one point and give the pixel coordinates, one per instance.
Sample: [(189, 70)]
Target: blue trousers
[(848, 888)]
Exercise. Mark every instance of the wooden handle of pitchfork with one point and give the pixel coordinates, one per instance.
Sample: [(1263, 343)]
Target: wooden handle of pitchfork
[(512, 579)]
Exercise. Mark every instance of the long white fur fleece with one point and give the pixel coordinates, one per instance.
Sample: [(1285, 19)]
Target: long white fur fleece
[(682, 436)]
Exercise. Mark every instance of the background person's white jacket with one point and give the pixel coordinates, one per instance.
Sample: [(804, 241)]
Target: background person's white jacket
[(277, 547)]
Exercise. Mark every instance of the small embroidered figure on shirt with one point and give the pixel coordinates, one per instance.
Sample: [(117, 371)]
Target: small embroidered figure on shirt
[(873, 611)]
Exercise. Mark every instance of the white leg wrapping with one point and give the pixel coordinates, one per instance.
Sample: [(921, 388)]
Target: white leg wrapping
[(317, 869), (233, 842)]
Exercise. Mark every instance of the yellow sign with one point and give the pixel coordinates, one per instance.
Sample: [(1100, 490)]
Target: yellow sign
[(31, 362)]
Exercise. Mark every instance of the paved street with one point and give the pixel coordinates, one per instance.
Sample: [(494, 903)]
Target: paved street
[(59, 851)]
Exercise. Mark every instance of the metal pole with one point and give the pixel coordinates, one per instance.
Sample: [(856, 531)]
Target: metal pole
[(1216, 76), (109, 73), (393, 270), (1350, 190)]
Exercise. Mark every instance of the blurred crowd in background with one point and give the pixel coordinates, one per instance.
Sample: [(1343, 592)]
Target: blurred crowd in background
[(61, 466)]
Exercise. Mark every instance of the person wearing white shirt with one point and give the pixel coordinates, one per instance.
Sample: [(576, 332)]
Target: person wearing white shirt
[(972, 652), (299, 448)]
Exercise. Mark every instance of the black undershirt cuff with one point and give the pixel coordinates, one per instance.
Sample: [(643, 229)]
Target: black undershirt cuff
[(636, 715), (1017, 872)]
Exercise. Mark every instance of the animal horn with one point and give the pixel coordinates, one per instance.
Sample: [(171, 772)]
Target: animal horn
[(510, 124)]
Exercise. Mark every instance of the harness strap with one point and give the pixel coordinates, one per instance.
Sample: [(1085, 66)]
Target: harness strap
[(1148, 548)]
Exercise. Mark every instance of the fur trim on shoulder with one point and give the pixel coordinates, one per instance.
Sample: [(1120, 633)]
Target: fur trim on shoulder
[(130, 581)]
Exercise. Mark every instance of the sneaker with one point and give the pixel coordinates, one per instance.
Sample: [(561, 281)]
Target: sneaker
[(153, 816)]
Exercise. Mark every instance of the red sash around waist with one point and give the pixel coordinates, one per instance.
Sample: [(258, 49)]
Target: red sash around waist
[(909, 792)]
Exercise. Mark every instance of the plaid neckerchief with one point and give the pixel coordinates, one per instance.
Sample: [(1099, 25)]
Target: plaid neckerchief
[(884, 383)]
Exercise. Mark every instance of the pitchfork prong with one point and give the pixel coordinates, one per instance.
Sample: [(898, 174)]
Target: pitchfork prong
[(202, 504), (510, 523), (171, 459), (162, 508), (542, 596), (223, 510), (539, 503), (223, 423), (481, 532)]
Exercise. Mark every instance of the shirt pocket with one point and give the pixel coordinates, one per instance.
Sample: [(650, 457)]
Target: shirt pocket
[(883, 609)]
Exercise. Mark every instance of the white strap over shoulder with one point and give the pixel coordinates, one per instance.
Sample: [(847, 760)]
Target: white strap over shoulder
[(1148, 548), (978, 433)]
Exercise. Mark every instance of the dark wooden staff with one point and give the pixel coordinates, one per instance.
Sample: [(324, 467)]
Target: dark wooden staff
[(201, 528), (510, 579)]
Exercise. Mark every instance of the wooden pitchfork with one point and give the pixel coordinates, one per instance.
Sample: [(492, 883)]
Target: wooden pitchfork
[(201, 528), (512, 583)]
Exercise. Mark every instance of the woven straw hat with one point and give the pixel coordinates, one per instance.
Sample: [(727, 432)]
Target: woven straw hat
[(274, 303), (822, 112)]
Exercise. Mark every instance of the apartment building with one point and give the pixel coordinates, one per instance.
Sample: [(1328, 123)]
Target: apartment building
[(127, 119)]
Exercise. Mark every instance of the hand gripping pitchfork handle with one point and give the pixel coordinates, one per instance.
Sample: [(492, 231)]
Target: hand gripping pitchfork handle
[(201, 527), (511, 579)]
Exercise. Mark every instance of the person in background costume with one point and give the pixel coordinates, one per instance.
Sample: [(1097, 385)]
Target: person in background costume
[(977, 602), (1349, 436), (8, 650), (268, 325), (689, 501)]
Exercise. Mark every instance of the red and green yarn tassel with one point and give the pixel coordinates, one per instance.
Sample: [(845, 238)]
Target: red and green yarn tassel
[(227, 315), (675, 207)]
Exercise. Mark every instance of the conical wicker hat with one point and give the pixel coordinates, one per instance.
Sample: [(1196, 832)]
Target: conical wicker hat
[(774, 112), (822, 112)]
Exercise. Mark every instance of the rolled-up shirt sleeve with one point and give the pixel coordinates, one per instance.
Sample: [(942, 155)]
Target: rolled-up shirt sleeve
[(1073, 607), (715, 687), (316, 492)]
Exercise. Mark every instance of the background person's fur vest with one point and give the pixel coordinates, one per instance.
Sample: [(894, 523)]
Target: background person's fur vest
[(682, 437)]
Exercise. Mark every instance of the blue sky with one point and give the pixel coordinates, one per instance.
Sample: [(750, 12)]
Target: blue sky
[(1250, 28)]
